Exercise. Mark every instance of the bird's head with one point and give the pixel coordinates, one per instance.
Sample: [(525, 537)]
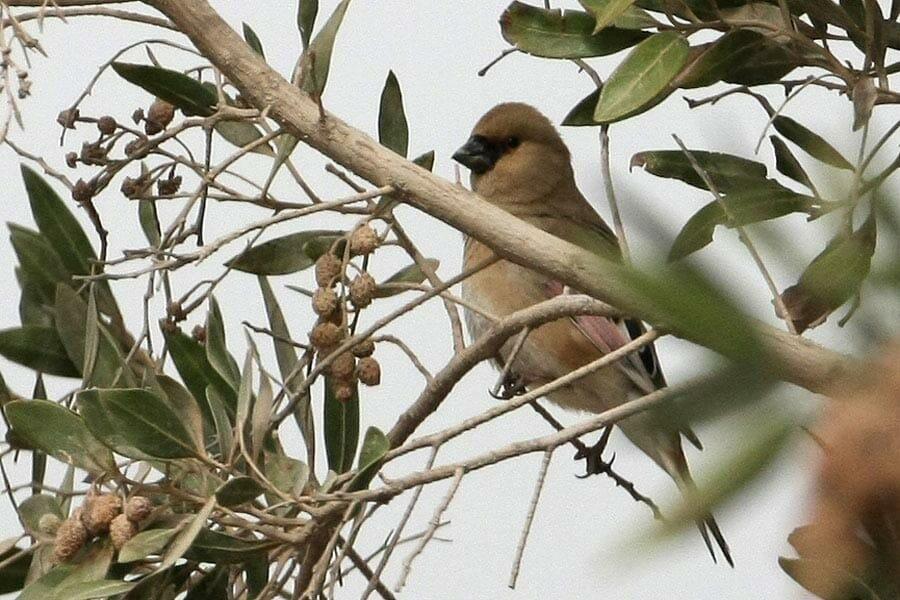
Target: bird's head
[(515, 155)]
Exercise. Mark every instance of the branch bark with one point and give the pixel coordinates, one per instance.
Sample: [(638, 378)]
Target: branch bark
[(800, 361)]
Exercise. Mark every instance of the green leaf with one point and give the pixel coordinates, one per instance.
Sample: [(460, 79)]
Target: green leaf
[(737, 50), (561, 34), (42, 265), (221, 548), (59, 432), (727, 172), (245, 393), (285, 353), (341, 424), (216, 350), (375, 445), (190, 360), (618, 13), (139, 419), (284, 255), (288, 475), (393, 131), (70, 581), (144, 544), (184, 405), (34, 507), (426, 160), (411, 275), (787, 164), (306, 19), (644, 74), (149, 221), (32, 309), (260, 417), (316, 60), (89, 590), (179, 90), (222, 422), (833, 277), (257, 571), (241, 134), (811, 143), (37, 348), (237, 491), (745, 206), (253, 40), (212, 585), (13, 574), (184, 538), (582, 115)]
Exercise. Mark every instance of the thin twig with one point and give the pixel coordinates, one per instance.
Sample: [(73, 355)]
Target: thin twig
[(529, 519)]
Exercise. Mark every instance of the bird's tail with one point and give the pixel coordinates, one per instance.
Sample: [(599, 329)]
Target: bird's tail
[(709, 528)]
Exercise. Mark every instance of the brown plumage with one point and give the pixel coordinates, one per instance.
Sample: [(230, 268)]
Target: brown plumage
[(520, 163)]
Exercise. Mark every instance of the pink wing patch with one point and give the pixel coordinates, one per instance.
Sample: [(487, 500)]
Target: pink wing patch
[(602, 332)]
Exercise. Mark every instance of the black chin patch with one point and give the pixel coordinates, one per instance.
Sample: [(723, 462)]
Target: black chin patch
[(478, 154)]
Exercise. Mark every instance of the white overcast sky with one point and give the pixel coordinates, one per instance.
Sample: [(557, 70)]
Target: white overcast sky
[(579, 543)]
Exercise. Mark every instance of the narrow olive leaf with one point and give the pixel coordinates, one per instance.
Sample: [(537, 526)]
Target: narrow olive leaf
[(811, 143), (149, 221), (59, 432), (253, 40), (393, 130), (284, 255), (184, 538), (14, 572), (697, 233), (221, 548), (832, 278), (141, 420), (288, 475), (720, 59), (826, 11), (64, 492), (38, 458), (306, 19), (341, 422), (37, 348), (245, 393), (34, 507), (607, 12), (42, 265), (285, 353), (787, 164), (726, 171), (237, 491), (221, 421), (760, 447), (561, 34), (192, 365), (642, 76), (144, 544), (864, 96), (375, 445), (185, 406), (43, 587), (582, 114), (257, 571), (33, 310), (61, 581), (176, 88), (212, 584), (241, 134), (412, 274), (260, 417), (766, 61), (216, 350), (91, 339), (316, 60), (89, 590)]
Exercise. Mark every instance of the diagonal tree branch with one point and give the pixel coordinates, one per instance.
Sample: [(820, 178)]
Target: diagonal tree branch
[(799, 361)]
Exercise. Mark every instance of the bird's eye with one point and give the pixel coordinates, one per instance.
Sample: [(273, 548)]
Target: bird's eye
[(513, 142)]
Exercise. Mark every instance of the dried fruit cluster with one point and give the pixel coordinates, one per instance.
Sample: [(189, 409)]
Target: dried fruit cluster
[(357, 365), (100, 514)]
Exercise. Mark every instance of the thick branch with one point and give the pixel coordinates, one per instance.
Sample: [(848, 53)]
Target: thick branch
[(800, 361)]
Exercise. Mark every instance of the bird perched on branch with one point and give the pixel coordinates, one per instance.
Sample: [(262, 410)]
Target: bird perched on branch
[(519, 163)]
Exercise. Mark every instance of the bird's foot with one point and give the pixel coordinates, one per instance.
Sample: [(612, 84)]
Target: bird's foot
[(510, 386), (593, 456)]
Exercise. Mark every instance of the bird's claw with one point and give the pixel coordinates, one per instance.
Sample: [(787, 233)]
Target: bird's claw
[(511, 386), (593, 461)]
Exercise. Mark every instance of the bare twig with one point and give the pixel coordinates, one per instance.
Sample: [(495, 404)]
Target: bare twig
[(529, 519)]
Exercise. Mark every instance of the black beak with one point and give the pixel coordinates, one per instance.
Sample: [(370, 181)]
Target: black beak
[(478, 155)]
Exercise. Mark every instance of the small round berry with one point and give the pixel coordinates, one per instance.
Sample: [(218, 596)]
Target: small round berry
[(369, 371), (137, 116), (325, 336), (328, 269), (363, 241), (364, 348), (121, 530), (159, 115), (199, 333), (82, 191), (343, 366), (100, 512), (72, 159), (107, 125), (68, 117), (325, 301), (70, 538), (138, 508), (362, 290)]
